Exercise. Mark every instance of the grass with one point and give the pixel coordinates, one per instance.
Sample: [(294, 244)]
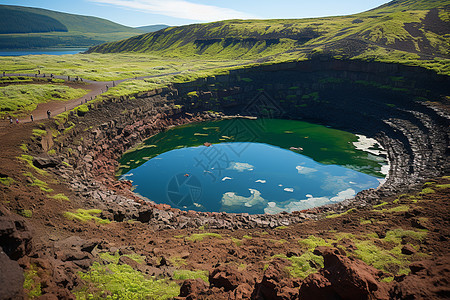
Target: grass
[(41, 184), (60, 197), (312, 242), (31, 284), (380, 258), (443, 186), (123, 282), (400, 208), (7, 181), (39, 132), (108, 67), (301, 266), (22, 99), (107, 257), (28, 159), (85, 215), (188, 274), (200, 236), (177, 261), (25, 213), (341, 214), (380, 205), (426, 191)]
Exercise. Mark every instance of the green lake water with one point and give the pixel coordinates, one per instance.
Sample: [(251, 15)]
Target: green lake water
[(254, 166)]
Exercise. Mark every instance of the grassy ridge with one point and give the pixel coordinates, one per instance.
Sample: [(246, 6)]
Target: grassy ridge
[(408, 26), (23, 27), (16, 21)]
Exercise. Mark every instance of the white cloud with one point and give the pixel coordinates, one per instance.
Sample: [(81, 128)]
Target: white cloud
[(291, 190), (226, 178), (261, 181), (180, 9), (240, 167), (232, 199), (305, 170)]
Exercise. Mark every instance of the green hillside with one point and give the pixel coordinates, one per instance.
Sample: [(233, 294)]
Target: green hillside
[(24, 27), (411, 26)]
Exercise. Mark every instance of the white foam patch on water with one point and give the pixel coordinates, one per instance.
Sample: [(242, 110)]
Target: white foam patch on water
[(240, 167), (125, 176), (366, 144), (347, 194), (226, 178), (297, 205), (232, 199), (305, 170), (291, 190), (261, 181), (308, 196)]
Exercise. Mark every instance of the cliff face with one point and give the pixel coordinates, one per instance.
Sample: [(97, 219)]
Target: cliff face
[(402, 107)]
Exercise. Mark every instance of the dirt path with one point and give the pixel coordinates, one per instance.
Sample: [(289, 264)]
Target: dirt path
[(95, 88)]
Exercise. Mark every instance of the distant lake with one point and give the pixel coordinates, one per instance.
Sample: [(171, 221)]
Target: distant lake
[(48, 51)]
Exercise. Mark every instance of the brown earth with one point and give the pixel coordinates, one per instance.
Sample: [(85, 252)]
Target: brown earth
[(58, 248)]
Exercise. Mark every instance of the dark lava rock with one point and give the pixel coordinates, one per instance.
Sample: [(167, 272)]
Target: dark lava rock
[(11, 278), (343, 278), (46, 161), (15, 239)]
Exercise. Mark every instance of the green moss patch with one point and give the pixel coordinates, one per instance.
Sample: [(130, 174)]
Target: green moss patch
[(341, 214), (115, 281), (6, 181), (302, 266), (31, 284), (85, 215), (200, 236), (60, 197), (188, 274), (28, 159)]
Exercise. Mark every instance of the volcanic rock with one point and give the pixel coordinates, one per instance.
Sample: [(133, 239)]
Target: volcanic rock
[(11, 278), (343, 278)]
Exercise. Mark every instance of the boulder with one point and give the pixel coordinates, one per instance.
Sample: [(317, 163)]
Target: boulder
[(11, 278), (192, 287), (15, 238), (46, 161), (226, 277), (343, 278)]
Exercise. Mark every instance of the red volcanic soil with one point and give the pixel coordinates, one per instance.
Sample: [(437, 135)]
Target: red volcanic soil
[(244, 263)]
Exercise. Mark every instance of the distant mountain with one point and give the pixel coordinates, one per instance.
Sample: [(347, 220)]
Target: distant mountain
[(414, 26), (25, 27), (152, 28)]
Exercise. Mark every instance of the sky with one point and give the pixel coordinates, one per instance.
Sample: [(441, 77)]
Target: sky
[(180, 12)]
